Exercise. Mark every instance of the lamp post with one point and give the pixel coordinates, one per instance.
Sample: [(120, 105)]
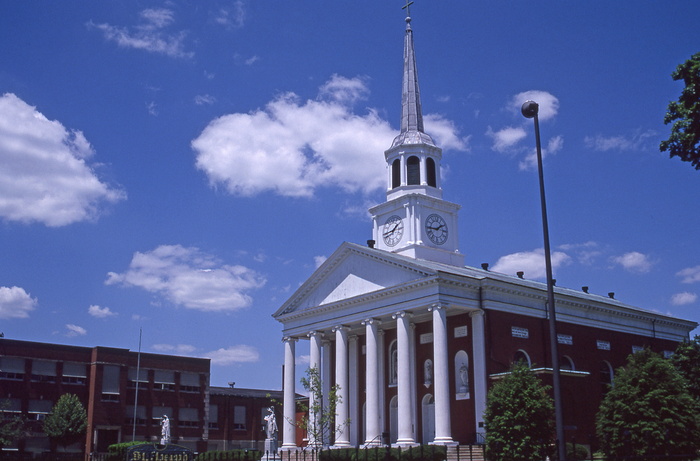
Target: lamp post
[(530, 109)]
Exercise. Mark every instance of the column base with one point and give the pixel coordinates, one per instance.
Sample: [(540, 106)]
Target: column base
[(289, 447), (405, 443), (340, 445), (447, 442)]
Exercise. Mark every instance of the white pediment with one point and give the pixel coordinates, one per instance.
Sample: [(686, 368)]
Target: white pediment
[(350, 272)]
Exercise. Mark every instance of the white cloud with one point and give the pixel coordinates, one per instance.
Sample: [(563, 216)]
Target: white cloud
[(292, 148), (634, 261), (586, 252), (15, 303), (303, 360), (530, 262), (234, 18), (44, 176), (505, 139), (148, 35), (621, 143), (178, 349), (690, 274), (75, 330), (549, 104), (190, 278), (554, 145), (445, 133), (318, 260), (101, 312), (234, 354), (202, 99), (681, 299), (344, 91)]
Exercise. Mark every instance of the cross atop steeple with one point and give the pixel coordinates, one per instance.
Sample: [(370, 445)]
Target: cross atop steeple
[(407, 7)]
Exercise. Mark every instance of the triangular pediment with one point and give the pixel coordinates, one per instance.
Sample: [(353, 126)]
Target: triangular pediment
[(350, 272)]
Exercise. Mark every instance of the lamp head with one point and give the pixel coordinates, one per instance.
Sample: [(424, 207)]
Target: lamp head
[(530, 109)]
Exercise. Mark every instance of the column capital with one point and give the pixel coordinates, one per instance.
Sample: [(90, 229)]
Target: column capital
[(477, 312), (289, 339), (340, 328), (352, 338), (371, 321), (315, 333), (401, 314), (438, 306)]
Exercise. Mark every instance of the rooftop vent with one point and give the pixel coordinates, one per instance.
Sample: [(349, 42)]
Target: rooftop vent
[(611, 295), (485, 266), (520, 274), (584, 289), (371, 243)]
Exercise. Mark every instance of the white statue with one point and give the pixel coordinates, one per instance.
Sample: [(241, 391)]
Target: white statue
[(164, 430), (464, 378), (428, 373), (271, 427)]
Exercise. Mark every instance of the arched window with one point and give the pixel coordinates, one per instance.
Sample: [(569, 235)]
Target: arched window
[(432, 175), (396, 174), (393, 363), (413, 171), (522, 357), (428, 416), (565, 363), (606, 376)]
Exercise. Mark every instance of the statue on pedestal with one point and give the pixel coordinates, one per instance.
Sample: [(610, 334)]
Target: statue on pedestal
[(271, 426), (164, 430)]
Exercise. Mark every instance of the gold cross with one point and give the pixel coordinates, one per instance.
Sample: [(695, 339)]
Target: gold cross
[(407, 8)]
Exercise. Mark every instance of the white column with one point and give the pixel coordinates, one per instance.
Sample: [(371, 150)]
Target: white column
[(404, 388), (342, 436), (441, 373), (353, 394), (372, 429), (314, 362), (289, 404), (479, 361), (381, 359)]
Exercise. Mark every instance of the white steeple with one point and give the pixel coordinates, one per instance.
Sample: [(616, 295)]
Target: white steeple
[(414, 220)]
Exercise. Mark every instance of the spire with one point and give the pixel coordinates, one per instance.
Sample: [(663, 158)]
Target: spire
[(411, 114)]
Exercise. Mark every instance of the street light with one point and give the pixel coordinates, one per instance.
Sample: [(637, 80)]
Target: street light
[(530, 109)]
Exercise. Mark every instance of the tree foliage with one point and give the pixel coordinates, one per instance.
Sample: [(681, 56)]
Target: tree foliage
[(519, 417), (686, 359), (649, 411), (11, 425), (319, 420), (67, 422), (684, 141)]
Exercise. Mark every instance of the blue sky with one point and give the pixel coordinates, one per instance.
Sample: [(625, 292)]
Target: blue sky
[(182, 166)]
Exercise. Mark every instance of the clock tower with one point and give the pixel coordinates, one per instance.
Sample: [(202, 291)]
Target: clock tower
[(415, 221)]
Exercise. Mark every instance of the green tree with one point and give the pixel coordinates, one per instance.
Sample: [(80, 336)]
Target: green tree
[(684, 141), (519, 417), (319, 420), (686, 359), (11, 425), (67, 422), (649, 411)]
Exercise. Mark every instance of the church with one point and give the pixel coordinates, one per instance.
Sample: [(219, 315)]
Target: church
[(414, 338)]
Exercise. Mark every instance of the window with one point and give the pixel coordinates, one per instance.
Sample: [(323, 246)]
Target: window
[(157, 414), (140, 415), (43, 371), (38, 409), (188, 417), (110, 383), (8, 407), (413, 171), (432, 176), (189, 382), (522, 357), (12, 368), (213, 416), (164, 380), (239, 417), (606, 376), (137, 375), (565, 363), (396, 174), (74, 373), (393, 364)]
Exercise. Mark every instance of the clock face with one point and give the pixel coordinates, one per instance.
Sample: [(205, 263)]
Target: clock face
[(436, 228), (393, 230)]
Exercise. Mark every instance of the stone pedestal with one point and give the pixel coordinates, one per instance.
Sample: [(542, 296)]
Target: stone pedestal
[(270, 450)]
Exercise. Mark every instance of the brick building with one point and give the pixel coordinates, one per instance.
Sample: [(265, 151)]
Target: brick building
[(34, 375)]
